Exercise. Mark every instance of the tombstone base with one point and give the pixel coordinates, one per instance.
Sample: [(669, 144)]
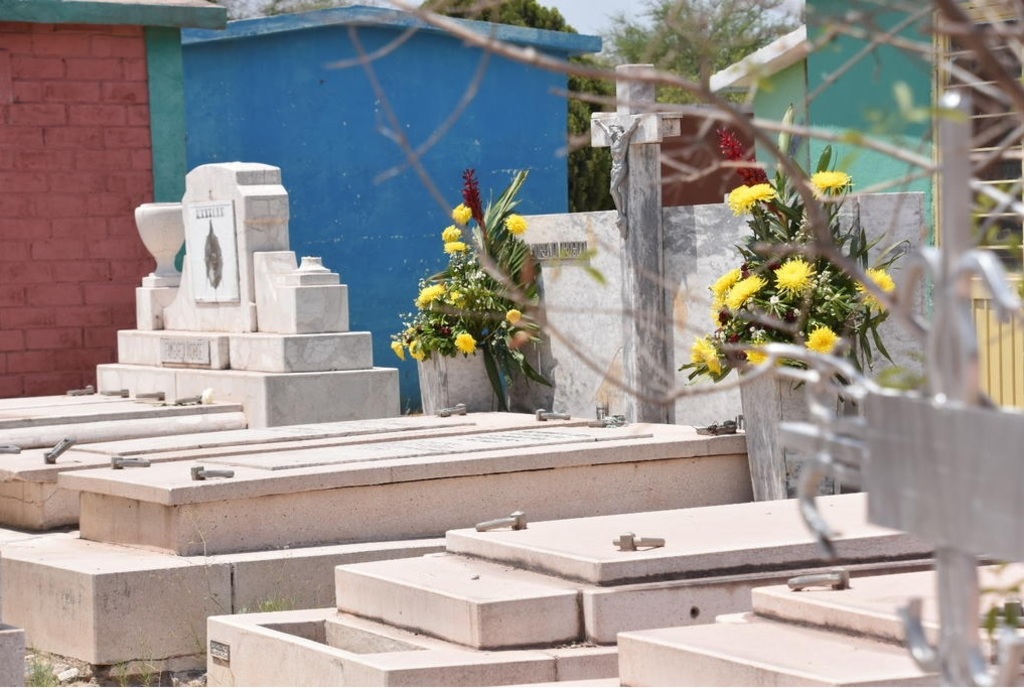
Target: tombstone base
[(270, 399)]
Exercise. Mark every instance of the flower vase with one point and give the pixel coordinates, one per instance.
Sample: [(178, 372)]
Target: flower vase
[(445, 382), (768, 401), (162, 230)]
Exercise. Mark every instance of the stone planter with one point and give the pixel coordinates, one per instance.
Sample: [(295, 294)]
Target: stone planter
[(768, 401), (445, 382)]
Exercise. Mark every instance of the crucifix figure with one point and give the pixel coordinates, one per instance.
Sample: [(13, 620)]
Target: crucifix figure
[(619, 138)]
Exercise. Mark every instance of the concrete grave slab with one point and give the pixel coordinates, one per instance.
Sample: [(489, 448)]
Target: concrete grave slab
[(701, 571), (30, 497), (398, 613), (317, 495)]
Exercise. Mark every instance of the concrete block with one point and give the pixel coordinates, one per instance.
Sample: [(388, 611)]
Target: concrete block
[(172, 349), (302, 353), (108, 604), (12, 656), (150, 303), (37, 506), (468, 602), (761, 653)]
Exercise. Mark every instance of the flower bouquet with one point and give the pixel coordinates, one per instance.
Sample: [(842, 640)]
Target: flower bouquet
[(480, 302), (782, 290)]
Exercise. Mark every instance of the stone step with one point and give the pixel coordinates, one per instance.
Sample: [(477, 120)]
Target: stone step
[(470, 602), (745, 650)]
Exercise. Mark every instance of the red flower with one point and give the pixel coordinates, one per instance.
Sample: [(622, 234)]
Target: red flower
[(733, 150), (471, 196)]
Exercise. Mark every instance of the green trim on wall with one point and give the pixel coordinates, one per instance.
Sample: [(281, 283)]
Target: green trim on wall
[(182, 13), (166, 112)]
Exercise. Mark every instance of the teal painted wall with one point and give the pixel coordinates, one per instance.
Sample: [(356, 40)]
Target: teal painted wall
[(166, 112), (773, 98), (862, 98)]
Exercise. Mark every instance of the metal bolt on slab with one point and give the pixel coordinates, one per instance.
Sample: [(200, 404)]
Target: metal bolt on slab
[(544, 414), (457, 410), (516, 521), (629, 542), (51, 455), (122, 462), (837, 579), (201, 473)]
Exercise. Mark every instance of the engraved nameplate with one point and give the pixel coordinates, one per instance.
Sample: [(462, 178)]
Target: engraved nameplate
[(221, 651), (185, 351), (212, 252), (560, 250)]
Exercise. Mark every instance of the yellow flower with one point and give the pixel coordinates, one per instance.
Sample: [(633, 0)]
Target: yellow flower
[(882, 280), (516, 224), (795, 276), (451, 233), (457, 298), (755, 357), (429, 295), (823, 340), (513, 316), (830, 181), (416, 350), (455, 247), (743, 198), (704, 352), (743, 290), (723, 284), (462, 214), (465, 343), (398, 349)]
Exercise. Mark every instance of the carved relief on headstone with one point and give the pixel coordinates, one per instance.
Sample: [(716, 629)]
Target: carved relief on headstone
[(212, 252)]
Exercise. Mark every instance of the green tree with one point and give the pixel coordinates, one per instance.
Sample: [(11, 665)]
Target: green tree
[(696, 38), (589, 168)]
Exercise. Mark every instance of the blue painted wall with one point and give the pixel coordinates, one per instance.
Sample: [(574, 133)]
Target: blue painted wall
[(289, 91)]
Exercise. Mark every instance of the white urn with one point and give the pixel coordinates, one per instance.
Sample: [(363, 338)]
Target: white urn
[(162, 229)]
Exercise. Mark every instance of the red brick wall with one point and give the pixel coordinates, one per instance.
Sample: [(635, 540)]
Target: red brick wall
[(75, 161)]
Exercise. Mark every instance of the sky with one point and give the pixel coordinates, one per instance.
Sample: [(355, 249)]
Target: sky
[(592, 16)]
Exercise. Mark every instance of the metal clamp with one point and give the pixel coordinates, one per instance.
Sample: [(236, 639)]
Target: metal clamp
[(121, 462), (516, 521), (728, 427), (86, 391), (51, 455), (9, 449), (157, 396), (544, 414), (200, 473), (629, 542), (837, 579), (457, 410), (189, 401), (616, 421), (123, 393)]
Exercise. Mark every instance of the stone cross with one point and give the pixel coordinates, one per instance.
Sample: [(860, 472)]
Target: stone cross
[(634, 136)]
